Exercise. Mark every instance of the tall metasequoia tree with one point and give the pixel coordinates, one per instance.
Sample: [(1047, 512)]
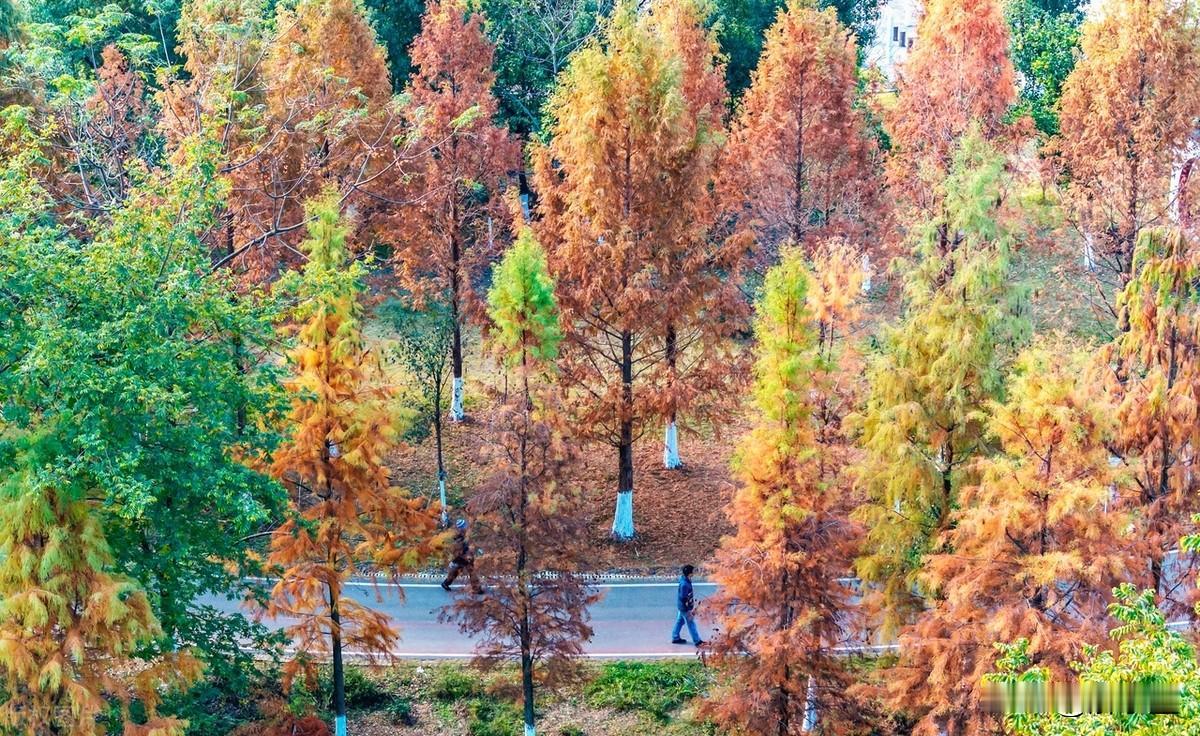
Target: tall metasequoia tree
[(1129, 109), (924, 420), (535, 606), (1034, 549), (324, 118), (346, 511), (958, 74), (446, 236), (695, 271), (799, 161), (780, 607), (624, 217), (1154, 380)]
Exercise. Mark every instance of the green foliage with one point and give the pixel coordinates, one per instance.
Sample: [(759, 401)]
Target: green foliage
[(655, 688), (785, 337), (924, 420), (453, 683), (534, 41), (741, 25), (521, 304), (1044, 48), (363, 692), (397, 23), (1147, 650), (492, 717), (400, 711), (422, 349), (136, 356)]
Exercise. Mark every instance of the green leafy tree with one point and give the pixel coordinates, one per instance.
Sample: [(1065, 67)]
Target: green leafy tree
[(742, 25), (534, 41), (1044, 47), (422, 349), (1148, 649), (119, 346), (925, 417)]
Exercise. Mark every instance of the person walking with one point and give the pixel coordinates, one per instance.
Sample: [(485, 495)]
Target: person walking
[(685, 604), (462, 559)]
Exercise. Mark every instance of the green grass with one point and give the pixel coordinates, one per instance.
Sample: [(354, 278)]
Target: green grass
[(658, 689)]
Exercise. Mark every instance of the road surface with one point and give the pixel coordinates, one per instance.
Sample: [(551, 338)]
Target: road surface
[(632, 621)]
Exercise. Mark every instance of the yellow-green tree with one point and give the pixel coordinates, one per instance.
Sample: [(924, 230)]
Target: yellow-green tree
[(781, 610), (345, 510), (1034, 549), (925, 417)]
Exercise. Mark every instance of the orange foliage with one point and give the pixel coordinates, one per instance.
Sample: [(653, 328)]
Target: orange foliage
[(647, 302), (1154, 380), (798, 160), (958, 72), (781, 609), (1034, 551), (1128, 110), (445, 234), (346, 510)]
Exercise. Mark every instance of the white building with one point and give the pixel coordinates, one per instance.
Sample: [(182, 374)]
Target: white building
[(895, 32)]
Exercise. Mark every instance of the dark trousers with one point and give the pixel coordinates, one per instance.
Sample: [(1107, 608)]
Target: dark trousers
[(456, 567)]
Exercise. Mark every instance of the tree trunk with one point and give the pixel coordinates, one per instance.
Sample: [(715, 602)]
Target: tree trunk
[(622, 528), (339, 675), (437, 433), (671, 459), (456, 351)]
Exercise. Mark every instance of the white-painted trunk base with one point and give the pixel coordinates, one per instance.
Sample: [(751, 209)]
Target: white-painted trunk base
[(866, 273), (530, 730), (810, 707), (671, 459), (442, 498), (339, 726), (456, 401), (622, 527), (1089, 252)]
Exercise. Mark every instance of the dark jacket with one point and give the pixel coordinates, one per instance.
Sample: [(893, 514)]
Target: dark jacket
[(461, 549), (685, 599)]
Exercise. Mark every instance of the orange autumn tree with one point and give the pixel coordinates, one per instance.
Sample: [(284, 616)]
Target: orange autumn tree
[(799, 161), (534, 608), (346, 511), (1154, 381), (1129, 109), (446, 234), (1035, 549), (958, 73), (692, 275), (326, 119), (622, 186), (780, 608)]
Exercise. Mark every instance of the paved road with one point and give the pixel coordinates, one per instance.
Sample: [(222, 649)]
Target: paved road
[(632, 620)]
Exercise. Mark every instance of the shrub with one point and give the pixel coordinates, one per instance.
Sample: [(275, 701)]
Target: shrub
[(489, 717), (656, 688), (454, 683), (362, 691), (400, 711)]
